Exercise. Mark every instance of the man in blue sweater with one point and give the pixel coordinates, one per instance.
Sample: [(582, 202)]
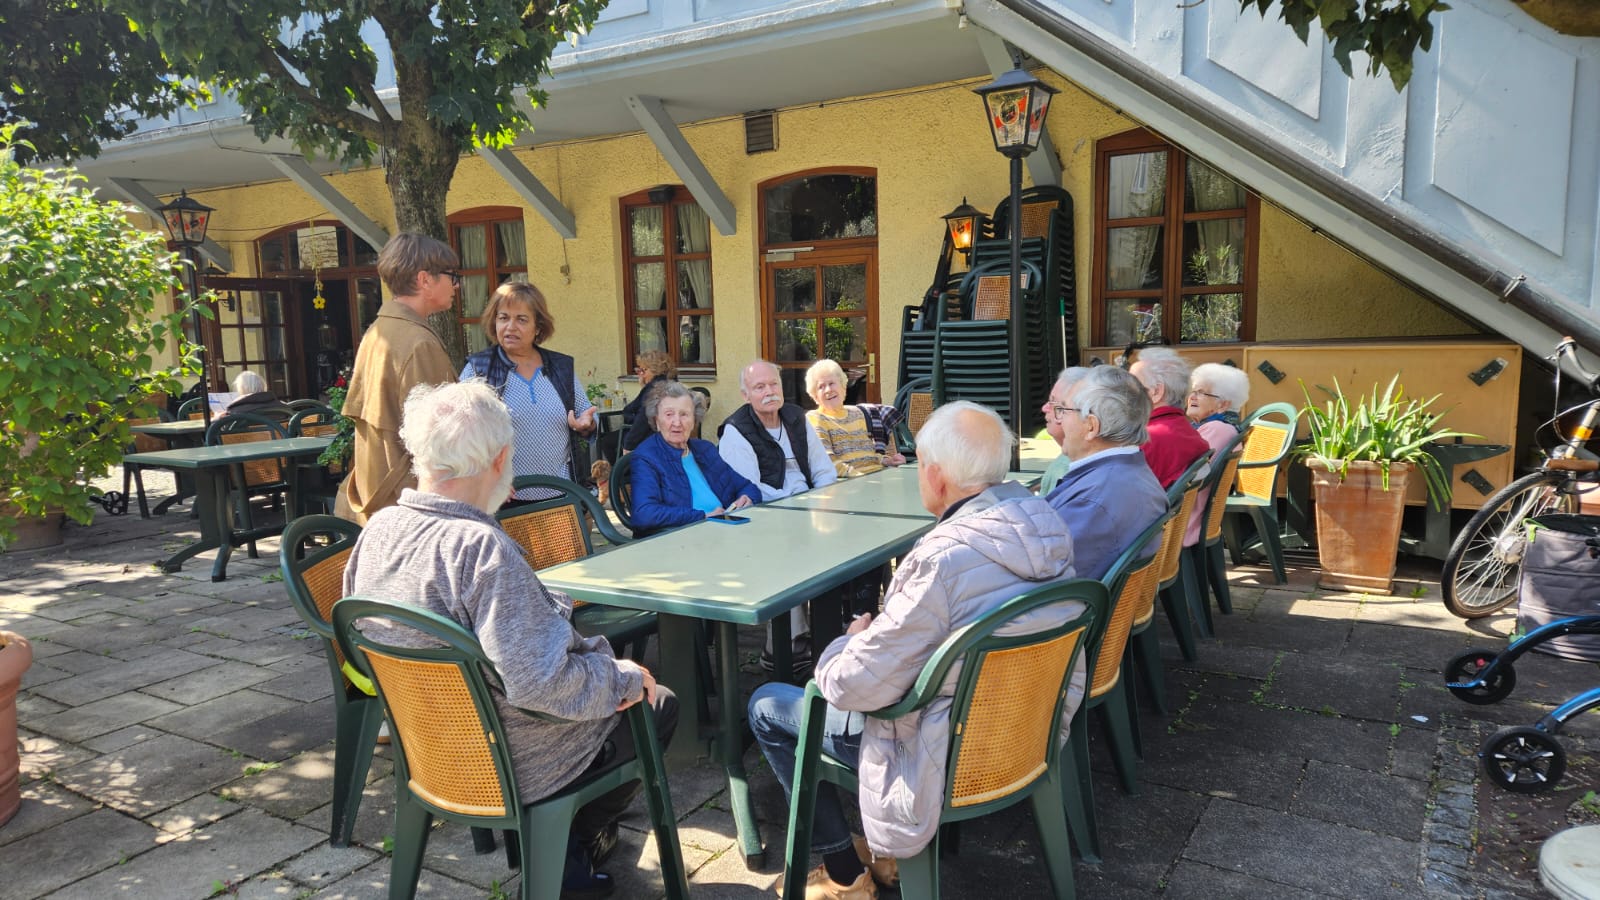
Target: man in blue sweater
[(1109, 496)]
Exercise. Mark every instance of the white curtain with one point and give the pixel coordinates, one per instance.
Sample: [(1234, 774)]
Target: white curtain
[(513, 243), (1137, 187)]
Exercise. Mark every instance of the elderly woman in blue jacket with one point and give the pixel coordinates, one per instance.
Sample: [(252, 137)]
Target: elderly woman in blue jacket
[(677, 480)]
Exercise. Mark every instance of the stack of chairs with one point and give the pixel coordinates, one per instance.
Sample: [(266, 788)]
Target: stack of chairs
[(972, 358), (1047, 242)]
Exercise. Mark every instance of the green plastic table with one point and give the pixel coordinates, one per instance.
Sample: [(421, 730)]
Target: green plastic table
[(210, 467), (890, 492), (181, 433), (730, 575), (1038, 453)]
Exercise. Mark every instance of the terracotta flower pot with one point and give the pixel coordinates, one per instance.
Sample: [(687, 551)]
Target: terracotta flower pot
[(1358, 525), (15, 658), (34, 532)]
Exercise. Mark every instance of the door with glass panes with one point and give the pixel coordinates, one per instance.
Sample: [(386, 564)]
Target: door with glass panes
[(822, 306)]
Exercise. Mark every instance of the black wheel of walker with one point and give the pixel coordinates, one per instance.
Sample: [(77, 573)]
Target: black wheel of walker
[(1523, 759), (1467, 667)]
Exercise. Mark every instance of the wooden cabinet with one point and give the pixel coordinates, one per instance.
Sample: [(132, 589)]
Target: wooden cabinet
[(1478, 380)]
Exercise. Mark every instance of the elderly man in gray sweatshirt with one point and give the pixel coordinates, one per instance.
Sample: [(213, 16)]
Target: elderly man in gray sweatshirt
[(440, 548), (994, 541)]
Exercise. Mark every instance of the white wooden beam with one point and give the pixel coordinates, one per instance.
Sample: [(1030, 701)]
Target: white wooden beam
[(664, 133), (1042, 163), (298, 170), (134, 192), (531, 189)]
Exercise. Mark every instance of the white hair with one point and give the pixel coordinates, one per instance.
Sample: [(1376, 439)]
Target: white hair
[(821, 368), (1116, 399), (454, 430), (673, 390), (1163, 366), (1231, 385), (969, 442), (248, 382)]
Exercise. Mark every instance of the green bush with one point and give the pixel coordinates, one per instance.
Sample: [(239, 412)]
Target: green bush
[(78, 330)]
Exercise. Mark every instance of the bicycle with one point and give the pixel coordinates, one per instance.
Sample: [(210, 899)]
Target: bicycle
[(1481, 569)]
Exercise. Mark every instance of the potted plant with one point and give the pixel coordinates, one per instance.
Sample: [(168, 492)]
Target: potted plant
[(77, 339), (15, 658), (1361, 456)]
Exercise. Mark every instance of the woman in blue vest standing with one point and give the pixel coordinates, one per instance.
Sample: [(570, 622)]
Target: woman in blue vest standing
[(540, 387)]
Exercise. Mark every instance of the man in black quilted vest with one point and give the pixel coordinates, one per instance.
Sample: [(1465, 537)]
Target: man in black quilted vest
[(769, 442)]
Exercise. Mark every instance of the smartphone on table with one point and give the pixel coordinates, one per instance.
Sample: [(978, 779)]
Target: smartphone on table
[(729, 519)]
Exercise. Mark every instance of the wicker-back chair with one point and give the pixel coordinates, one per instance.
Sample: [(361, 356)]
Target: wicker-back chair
[(622, 490), (914, 400), (559, 530), (1267, 442), (453, 760), (1004, 725), (1204, 557), (312, 559), (1131, 585), (256, 478)]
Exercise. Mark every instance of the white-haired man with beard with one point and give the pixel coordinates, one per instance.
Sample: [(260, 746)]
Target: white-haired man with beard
[(769, 441), (441, 549)]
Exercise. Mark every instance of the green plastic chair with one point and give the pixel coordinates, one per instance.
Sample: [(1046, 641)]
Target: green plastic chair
[(1146, 645), (558, 530), (1131, 585), (622, 491), (314, 576), (1204, 560), (1004, 727), (453, 760), (261, 477), (191, 408), (1255, 490)]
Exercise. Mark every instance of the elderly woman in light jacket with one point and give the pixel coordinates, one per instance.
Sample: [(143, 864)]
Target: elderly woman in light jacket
[(1217, 393)]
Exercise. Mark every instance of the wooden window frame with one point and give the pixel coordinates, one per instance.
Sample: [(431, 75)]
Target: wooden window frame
[(495, 274), (1173, 219), (670, 257)]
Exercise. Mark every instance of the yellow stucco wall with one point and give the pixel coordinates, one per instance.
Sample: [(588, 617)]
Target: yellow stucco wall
[(929, 148)]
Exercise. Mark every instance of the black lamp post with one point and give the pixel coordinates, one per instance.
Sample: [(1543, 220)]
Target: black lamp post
[(186, 222), (1015, 105), (963, 224)]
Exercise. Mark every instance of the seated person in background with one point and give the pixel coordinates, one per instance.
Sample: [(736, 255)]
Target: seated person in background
[(654, 369), (1109, 495), (255, 398), (769, 441), (843, 429), (994, 541), (1216, 395), (440, 548), (1174, 445), (677, 479)]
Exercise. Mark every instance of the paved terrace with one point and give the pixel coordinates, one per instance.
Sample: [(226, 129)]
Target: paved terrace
[(177, 743)]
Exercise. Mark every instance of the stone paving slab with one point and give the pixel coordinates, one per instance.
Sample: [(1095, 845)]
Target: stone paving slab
[(227, 852), (152, 775), (101, 841), (1305, 853)]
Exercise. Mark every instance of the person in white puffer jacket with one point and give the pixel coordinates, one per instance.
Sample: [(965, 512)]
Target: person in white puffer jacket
[(994, 541)]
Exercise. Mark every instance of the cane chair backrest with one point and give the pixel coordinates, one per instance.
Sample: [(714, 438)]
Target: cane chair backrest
[(1266, 443), (1131, 581)]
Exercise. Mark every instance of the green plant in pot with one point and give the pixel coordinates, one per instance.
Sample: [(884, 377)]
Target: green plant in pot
[(1362, 454), (78, 333)]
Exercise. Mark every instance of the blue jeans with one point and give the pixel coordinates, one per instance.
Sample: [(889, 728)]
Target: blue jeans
[(775, 713)]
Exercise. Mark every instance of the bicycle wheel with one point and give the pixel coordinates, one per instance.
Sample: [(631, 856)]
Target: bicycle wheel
[(1480, 571)]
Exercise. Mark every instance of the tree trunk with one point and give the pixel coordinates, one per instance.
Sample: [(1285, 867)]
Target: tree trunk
[(419, 176)]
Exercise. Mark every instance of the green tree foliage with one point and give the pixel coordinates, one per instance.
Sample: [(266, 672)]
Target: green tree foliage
[(1387, 31), (304, 69), (78, 330), (81, 76)]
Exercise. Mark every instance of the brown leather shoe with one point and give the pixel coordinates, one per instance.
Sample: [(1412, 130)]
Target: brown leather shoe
[(820, 887), (885, 869)]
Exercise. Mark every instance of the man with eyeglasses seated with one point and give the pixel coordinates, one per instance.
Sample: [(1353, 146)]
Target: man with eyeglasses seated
[(398, 352), (1109, 495), (1174, 445)]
